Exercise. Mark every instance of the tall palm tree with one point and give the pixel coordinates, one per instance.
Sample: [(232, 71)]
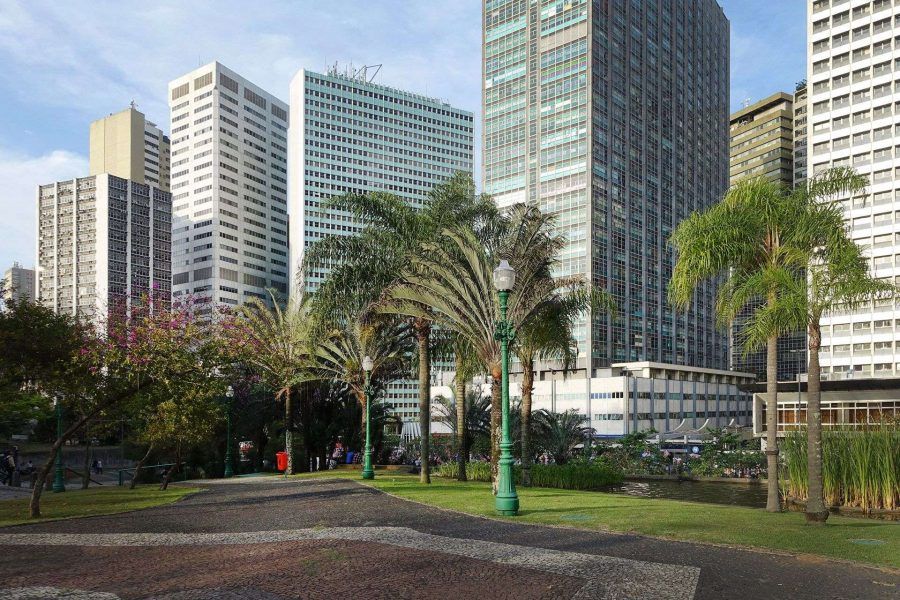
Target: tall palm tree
[(837, 276), (450, 280), (476, 420), (753, 238), (277, 342), (558, 434), (393, 229)]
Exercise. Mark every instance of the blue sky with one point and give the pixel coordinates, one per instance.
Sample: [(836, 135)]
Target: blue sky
[(64, 64)]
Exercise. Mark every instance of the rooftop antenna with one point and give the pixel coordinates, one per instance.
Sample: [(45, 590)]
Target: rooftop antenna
[(133, 105)]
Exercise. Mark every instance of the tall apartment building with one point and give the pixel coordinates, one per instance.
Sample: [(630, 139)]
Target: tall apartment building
[(102, 242), (127, 145), (852, 62), (762, 140), (762, 145), (18, 284), (801, 133), (349, 134), (613, 116), (229, 187)]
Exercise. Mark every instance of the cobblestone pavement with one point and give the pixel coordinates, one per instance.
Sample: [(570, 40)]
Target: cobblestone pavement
[(270, 538)]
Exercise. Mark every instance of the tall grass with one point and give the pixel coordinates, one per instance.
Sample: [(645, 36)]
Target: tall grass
[(571, 476), (860, 467)]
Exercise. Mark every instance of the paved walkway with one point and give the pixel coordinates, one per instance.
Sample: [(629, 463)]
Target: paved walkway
[(270, 538)]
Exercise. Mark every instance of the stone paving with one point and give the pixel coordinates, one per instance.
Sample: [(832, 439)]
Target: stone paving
[(271, 539)]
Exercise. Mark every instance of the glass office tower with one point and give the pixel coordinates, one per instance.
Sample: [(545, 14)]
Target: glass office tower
[(613, 115)]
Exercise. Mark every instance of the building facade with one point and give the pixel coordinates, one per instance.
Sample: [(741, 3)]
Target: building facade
[(102, 242), (853, 101), (349, 134), (18, 284), (127, 145), (614, 117), (762, 145), (229, 187), (801, 132)]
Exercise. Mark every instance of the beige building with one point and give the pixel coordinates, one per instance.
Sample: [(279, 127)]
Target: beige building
[(127, 145), (762, 140), (18, 283), (800, 133)]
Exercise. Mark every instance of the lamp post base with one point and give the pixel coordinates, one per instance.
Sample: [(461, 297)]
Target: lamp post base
[(368, 474), (229, 472)]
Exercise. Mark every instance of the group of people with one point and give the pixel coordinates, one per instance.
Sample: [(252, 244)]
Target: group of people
[(11, 471)]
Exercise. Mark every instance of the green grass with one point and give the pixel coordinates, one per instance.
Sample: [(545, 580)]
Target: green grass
[(710, 523), (90, 502)]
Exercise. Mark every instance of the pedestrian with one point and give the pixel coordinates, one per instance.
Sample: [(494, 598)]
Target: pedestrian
[(9, 464), (99, 467)]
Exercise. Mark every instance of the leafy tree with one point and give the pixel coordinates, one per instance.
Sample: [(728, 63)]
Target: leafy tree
[(755, 240), (277, 344)]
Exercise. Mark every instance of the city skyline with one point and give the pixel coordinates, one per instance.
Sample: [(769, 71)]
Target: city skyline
[(435, 53)]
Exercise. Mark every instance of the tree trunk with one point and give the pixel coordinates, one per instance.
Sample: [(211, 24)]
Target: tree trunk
[(773, 502), (34, 507), (139, 466), (168, 477), (496, 422), (86, 479), (288, 429), (462, 446), (816, 511), (423, 338), (527, 388)]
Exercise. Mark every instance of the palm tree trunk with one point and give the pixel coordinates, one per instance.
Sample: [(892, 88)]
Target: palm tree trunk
[(496, 417), (288, 429), (527, 387), (423, 339), (816, 511), (773, 502), (462, 446)]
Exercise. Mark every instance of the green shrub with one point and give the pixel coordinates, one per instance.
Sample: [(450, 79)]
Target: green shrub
[(571, 476)]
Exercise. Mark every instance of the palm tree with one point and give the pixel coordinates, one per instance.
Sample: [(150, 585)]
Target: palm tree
[(837, 277), (753, 238), (476, 420), (393, 229), (450, 281), (277, 341), (558, 434)]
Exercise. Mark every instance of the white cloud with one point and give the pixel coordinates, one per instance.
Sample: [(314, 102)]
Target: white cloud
[(20, 176)]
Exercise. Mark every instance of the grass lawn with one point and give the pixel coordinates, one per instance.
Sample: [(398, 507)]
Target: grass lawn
[(864, 540), (90, 502)]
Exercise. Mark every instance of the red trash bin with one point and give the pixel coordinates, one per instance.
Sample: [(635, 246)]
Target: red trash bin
[(281, 461)]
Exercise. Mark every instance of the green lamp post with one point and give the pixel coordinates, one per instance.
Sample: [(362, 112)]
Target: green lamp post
[(368, 472), (59, 479), (506, 501), (229, 394)]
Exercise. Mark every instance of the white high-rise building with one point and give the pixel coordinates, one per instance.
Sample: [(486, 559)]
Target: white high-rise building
[(229, 187), (853, 100), (102, 242), (349, 134), (18, 284)]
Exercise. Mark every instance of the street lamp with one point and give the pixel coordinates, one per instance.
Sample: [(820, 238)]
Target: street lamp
[(59, 479), (368, 366), (506, 501), (229, 394)]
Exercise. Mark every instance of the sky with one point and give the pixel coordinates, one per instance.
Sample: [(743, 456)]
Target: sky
[(65, 64)]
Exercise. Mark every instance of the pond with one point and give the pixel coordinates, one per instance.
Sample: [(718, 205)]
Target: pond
[(736, 494)]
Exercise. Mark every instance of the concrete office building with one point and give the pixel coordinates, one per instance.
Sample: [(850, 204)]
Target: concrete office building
[(127, 145), (18, 284), (762, 145), (349, 134), (614, 117), (229, 187), (102, 242), (853, 99)]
